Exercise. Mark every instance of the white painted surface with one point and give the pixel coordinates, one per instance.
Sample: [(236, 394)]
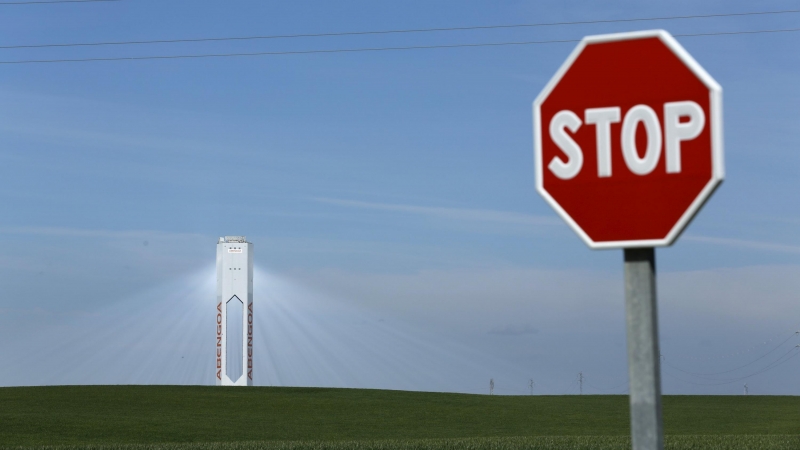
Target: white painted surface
[(234, 279)]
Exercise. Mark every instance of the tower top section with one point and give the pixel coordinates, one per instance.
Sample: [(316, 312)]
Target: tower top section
[(236, 239)]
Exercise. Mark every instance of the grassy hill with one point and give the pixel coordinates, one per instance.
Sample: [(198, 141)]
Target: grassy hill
[(78, 415)]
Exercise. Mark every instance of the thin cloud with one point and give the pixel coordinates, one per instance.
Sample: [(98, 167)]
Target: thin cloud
[(89, 233), (463, 214), (742, 243), (514, 330)]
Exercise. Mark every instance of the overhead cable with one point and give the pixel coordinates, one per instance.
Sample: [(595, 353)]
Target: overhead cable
[(292, 52), (698, 374), (781, 360), (47, 2), (781, 334), (405, 31), (613, 389), (355, 50)]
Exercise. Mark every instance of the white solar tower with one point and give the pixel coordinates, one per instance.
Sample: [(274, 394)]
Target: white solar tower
[(234, 312)]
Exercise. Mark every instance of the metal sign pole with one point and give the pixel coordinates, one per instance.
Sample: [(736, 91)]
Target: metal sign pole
[(644, 371)]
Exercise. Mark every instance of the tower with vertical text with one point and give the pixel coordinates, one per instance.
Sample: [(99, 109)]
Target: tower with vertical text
[(234, 312)]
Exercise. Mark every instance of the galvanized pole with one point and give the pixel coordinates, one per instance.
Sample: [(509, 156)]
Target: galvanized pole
[(643, 354)]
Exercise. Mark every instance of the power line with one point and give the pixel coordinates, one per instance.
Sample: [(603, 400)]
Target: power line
[(790, 331), (730, 33), (405, 31), (297, 52), (781, 360), (612, 389), (701, 375), (572, 386), (46, 2), (359, 50)]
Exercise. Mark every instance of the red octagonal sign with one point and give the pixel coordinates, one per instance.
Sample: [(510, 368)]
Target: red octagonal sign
[(628, 139)]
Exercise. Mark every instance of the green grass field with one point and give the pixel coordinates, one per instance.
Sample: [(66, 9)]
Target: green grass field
[(208, 417)]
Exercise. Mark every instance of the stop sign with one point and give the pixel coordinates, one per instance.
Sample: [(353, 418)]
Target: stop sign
[(628, 139)]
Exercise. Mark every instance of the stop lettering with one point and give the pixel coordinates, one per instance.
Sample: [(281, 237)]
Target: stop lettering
[(628, 139)]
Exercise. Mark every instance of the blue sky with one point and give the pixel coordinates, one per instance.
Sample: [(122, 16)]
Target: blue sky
[(398, 182)]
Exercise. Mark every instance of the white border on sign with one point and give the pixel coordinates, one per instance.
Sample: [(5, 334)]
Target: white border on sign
[(717, 163)]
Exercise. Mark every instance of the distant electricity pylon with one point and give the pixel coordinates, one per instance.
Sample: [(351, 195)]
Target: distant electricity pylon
[(491, 386), (745, 389), (530, 384), (580, 381)]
